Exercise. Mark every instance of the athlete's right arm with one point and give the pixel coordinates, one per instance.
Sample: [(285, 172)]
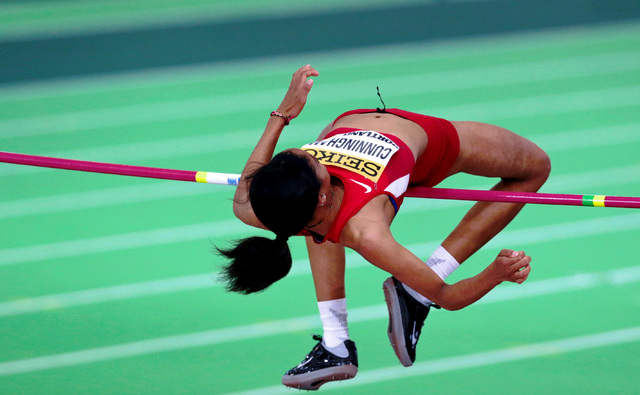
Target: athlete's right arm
[(376, 245), (291, 106)]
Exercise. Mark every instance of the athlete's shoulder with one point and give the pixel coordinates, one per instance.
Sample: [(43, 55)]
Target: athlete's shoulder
[(371, 222)]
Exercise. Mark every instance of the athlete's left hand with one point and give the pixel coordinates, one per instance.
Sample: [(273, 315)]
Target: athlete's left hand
[(513, 266), (299, 88)]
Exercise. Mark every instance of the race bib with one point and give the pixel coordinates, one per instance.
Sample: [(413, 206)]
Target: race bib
[(364, 152)]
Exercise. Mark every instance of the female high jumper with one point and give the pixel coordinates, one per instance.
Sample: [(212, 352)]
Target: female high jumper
[(344, 190)]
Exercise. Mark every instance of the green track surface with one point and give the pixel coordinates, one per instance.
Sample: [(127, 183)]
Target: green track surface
[(107, 283)]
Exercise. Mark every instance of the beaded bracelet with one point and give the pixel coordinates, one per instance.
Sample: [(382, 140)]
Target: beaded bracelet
[(281, 115)]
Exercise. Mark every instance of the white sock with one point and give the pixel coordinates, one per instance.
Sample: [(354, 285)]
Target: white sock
[(333, 314), (443, 264)]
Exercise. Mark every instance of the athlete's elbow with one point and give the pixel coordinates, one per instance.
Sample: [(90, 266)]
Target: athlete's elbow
[(243, 214), (448, 304), (451, 306), (238, 211), (449, 300)]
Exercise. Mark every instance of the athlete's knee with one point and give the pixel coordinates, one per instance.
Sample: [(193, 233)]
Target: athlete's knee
[(539, 168), (544, 164)]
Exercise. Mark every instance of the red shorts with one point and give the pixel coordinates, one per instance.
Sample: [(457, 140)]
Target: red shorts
[(442, 150)]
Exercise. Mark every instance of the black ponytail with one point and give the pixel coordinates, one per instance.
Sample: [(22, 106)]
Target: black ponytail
[(255, 263), (283, 196)]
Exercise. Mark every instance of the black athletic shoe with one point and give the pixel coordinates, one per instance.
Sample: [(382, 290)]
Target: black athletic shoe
[(406, 318), (320, 366)]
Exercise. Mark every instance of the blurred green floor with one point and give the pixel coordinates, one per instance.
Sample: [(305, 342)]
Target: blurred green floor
[(107, 283)]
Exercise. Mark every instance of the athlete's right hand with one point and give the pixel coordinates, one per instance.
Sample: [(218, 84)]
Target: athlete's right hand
[(299, 88), (513, 266)]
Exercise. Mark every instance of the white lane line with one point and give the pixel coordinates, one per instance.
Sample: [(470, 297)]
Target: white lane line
[(573, 282), (133, 153), (163, 344), (501, 109), (512, 354), (107, 294), (300, 267), (588, 138), (99, 245), (565, 231), (270, 328), (560, 103), (147, 191), (502, 75)]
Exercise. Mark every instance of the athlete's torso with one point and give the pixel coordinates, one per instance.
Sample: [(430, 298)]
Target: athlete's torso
[(368, 164), (411, 134)]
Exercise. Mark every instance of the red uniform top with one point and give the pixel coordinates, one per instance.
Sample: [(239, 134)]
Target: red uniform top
[(371, 164)]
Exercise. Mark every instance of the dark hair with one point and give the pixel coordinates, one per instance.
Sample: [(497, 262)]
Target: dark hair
[(283, 194)]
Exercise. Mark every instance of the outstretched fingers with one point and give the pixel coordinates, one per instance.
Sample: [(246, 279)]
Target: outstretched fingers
[(302, 76), (296, 96)]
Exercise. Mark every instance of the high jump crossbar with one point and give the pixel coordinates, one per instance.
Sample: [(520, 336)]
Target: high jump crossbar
[(233, 179)]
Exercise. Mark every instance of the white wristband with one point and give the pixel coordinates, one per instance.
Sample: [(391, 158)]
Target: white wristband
[(442, 262)]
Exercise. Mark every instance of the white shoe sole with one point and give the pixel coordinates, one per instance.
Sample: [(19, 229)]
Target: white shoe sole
[(395, 329), (312, 381)]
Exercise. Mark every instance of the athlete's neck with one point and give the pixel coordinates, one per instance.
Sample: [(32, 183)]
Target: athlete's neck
[(325, 224)]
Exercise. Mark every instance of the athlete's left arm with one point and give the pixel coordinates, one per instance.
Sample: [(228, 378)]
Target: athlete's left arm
[(291, 106), (376, 244)]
